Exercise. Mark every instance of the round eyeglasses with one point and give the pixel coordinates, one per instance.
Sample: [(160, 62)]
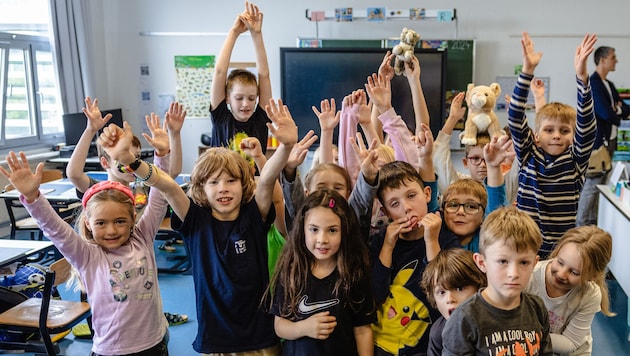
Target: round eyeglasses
[(475, 161), (469, 208)]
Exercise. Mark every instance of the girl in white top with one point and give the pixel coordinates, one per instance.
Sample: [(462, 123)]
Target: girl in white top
[(573, 287)]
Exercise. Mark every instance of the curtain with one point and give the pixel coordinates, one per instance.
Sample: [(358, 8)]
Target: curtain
[(71, 50)]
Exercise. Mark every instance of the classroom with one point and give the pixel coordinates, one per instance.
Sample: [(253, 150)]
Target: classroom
[(129, 53)]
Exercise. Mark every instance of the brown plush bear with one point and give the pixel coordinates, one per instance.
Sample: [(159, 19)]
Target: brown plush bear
[(404, 50), (481, 100)]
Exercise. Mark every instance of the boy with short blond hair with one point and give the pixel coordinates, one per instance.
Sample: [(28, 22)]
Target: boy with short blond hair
[(553, 159), (501, 319)]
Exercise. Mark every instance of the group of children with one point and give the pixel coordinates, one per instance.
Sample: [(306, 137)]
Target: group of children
[(453, 270)]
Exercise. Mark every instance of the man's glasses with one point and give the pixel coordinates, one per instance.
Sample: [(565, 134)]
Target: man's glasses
[(469, 208), (475, 161)]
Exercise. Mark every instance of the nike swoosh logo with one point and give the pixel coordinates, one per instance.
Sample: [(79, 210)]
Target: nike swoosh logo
[(305, 308)]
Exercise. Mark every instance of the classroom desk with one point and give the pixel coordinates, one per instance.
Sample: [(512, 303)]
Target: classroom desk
[(60, 193), (614, 217), (16, 250), (181, 179)]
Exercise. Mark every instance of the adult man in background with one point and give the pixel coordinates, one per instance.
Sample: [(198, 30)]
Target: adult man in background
[(609, 111)]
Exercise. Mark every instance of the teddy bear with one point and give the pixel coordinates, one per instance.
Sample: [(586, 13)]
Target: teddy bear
[(404, 50), (481, 100)]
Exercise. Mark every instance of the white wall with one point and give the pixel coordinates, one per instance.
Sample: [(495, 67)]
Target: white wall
[(496, 25)]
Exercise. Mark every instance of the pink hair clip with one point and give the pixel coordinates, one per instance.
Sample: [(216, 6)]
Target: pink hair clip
[(331, 203)]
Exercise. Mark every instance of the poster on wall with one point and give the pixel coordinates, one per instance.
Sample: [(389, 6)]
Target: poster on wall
[(194, 80)]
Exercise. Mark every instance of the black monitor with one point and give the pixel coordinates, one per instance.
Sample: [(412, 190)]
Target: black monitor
[(309, 75), (74, 124)]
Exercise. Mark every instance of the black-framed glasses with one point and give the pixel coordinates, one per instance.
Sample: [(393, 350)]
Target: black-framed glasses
[(471, 208), (475, 161)]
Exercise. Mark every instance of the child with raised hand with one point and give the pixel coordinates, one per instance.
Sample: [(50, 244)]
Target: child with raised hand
[(572, 284), (399, 254), (236, 99), (448, 280), (507, 255), (321, 289), (224, 225), (113, 254), (554, 157)]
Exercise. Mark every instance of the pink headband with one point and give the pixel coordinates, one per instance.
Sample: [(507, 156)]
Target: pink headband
[(106, 185)]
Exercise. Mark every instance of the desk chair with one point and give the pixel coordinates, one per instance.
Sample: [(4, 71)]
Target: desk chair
[(45, 316), (14, 205)]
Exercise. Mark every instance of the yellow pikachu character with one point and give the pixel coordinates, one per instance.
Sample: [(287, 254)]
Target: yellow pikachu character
[(402, 318)]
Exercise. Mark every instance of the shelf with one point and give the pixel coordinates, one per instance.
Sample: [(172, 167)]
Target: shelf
[(382, 14)]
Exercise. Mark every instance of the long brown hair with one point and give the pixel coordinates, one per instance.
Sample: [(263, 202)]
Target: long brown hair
[(294, 265)]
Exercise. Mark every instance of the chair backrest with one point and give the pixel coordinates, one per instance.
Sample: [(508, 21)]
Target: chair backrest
[(62, 269)]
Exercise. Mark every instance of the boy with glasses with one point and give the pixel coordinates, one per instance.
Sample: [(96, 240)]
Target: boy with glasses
[(466, 202)]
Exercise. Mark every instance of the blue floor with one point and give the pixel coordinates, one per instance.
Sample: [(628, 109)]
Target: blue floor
[(609, 333)]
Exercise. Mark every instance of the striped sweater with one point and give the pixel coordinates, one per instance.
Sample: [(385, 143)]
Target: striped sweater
[(549, 186)]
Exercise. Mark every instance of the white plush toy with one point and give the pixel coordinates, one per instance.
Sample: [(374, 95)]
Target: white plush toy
[(481, 117), (404, 50)]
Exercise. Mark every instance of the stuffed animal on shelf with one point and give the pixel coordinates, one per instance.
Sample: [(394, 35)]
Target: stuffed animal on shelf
[(481, 100), (404, 50)]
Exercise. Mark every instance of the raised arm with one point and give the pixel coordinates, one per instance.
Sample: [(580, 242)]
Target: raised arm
[(538, 89), (420, 109), (95, 122), (174, 121), (21, 177), (284, 129), (116, 142), (253, 19), (218, 90), (328, 119)]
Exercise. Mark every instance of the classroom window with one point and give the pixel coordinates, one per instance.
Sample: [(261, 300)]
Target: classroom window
[(30, 105)]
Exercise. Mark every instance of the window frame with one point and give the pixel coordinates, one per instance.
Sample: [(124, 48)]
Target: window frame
[(30, 44)]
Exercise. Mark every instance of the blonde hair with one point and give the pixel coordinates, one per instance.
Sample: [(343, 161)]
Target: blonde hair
[(242, 76), (385, 152), (217, 160), (452, 268), (467, 186), (323, 167), (513, 227), (556, 111), (594, 246)]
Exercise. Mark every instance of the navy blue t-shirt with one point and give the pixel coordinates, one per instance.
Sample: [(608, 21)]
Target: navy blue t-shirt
[(225, 126), (229, 268)]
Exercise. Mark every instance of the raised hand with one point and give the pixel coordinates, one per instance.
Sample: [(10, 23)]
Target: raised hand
[(174, 118), (363, 109), (300, 150), (116, 142), (367, 157), (159, 136), (319, 326), (412, 68), (424, 141), (581, 55), (531, 58), (385, 69), (497, 150), (252, 17), (95, 120), (282, 127), (21, 177), (328, 116), (251, 147), (380, 92)]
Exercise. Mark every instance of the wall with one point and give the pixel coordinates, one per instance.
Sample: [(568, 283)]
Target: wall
[(120, 49)]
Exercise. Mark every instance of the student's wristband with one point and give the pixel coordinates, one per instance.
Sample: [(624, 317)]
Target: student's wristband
[(148, 174)]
